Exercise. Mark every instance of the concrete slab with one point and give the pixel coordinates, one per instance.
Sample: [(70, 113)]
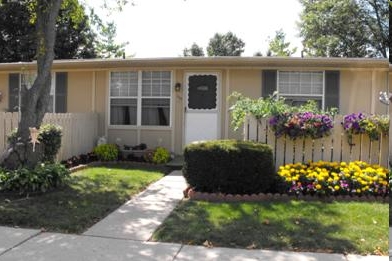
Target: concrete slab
[(60, 247), (189, 253), (390, 242), (141, 216), (10, 237), (366, 258)]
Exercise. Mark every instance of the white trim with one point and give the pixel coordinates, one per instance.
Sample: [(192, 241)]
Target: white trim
[(172, 109), (139, 101), (227, 114)]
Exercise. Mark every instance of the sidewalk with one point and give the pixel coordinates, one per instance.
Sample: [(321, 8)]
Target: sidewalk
[(123, 234)]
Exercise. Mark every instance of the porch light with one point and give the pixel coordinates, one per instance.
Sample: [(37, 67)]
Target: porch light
[(34, 136), (177, 87)]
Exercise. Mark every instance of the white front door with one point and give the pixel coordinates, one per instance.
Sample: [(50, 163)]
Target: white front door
[(202, 107)]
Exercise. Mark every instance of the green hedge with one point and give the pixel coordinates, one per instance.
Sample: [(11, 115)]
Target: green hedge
[(230, 167)]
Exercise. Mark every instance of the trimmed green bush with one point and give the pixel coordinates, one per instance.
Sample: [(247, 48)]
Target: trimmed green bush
[(42, 178), (106, 152), (230, 167), (161, 156), (50, 136)]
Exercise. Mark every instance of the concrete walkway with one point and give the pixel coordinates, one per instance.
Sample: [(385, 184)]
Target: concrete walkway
[(123, 234)]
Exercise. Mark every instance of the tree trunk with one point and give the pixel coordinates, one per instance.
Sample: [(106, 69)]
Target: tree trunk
[(34, 101)]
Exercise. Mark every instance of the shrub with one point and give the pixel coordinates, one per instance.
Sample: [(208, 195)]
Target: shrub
[(161, 156), (333, 178), (106, 152), (50, 136), (41, 179), (229, 166)]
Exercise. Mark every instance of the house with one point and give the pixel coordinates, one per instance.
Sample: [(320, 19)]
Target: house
[(173, 101)]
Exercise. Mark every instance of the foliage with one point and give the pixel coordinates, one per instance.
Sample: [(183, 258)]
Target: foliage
[(259, 108), (333, 178), (278, 46), (306, 120), (148, 156), (195, 50), (106, 152), (41, 179), (345, 28), (371, 125), (74, 37), (50, 136), (225, 45), (161, 156), (229, 166), (302, 124), (106, 45)]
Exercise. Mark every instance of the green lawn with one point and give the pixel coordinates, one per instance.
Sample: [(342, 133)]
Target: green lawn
[(339, 227), (92, 194)]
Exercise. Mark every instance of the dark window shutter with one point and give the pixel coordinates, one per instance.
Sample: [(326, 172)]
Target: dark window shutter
[(61, 92), (269, 80), (13, 92), (332, 89)]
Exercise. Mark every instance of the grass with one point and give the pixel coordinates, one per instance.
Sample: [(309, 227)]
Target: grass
[(91, 195), (338, 227)]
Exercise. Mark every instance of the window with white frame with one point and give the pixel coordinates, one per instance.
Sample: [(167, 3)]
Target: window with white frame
[(140, 98), (123, 98), (297, 87)]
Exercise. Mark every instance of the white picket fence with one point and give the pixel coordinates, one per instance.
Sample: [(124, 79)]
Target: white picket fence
[(331, 148), (80, 131)]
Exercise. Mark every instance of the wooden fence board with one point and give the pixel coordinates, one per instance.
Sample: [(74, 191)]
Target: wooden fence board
[(79, 131)]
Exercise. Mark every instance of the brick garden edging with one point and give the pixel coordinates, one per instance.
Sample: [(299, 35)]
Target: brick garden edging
[(261, 197)]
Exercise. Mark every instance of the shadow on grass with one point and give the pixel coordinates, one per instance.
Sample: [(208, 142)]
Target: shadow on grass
[(275, 226), (73, 208)]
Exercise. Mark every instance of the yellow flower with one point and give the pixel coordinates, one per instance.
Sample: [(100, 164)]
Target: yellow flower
[(318, 186), (336, 187)]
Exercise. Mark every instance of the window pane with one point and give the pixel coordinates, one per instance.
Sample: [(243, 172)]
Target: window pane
[(202, 92), (123, 111), (156, 83), (298, 101), (301, 83), (156, 112), (123, 84)]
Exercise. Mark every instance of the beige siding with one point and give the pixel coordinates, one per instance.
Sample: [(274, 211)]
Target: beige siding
[(355, 91), (155, 138), (79, 92), (101, 106), (248, 83), (4, 91), (122, 137)]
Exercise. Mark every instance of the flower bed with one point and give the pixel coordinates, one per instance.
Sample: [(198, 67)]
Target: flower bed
[(331, 178)]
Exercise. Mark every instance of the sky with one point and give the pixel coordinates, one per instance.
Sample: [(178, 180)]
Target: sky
[(163, 28)]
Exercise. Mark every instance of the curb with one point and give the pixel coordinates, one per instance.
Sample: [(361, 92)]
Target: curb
[(262, 197)]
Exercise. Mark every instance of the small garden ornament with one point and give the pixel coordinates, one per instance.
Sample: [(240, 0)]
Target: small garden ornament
[(34, 136)]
